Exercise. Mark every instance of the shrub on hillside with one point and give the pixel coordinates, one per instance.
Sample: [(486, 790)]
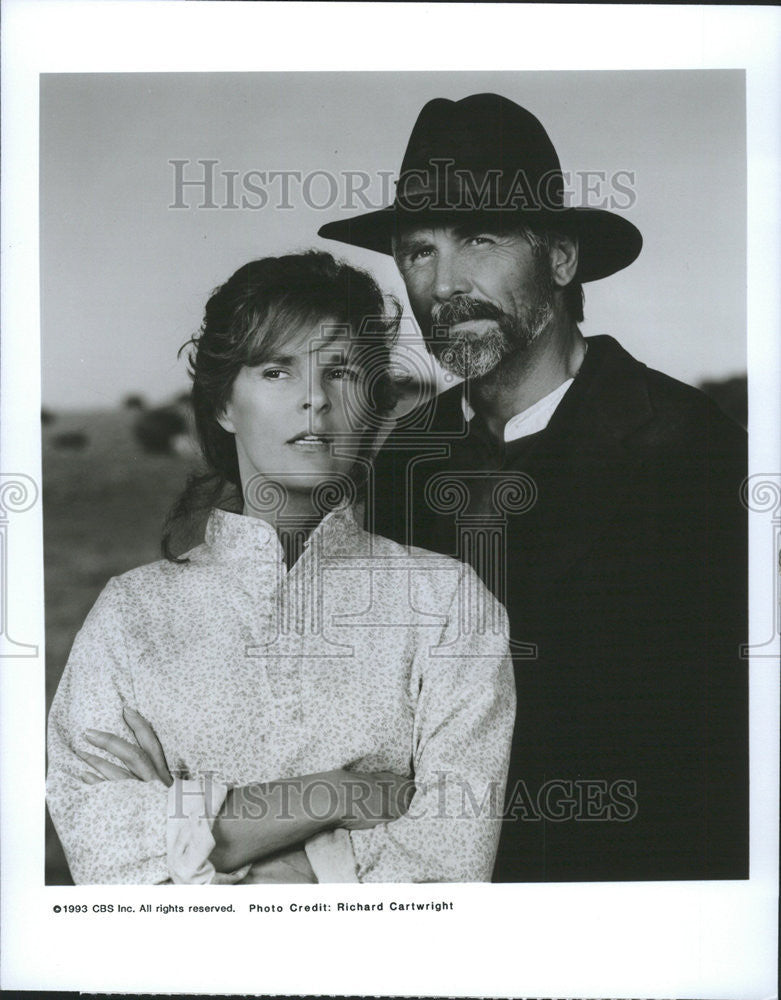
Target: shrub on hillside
[(155, 430)]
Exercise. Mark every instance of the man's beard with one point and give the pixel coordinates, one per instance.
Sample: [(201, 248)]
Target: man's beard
[(472, 355)]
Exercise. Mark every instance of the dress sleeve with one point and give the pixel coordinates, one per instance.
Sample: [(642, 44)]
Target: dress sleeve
[(463, 729), (114, 831), (331, 856)]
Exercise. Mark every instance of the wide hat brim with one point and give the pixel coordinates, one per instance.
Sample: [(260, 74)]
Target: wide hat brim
[(606, 242), (484, 159)]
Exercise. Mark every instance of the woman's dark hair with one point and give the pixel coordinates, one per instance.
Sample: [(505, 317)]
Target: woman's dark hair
[(245, 321)]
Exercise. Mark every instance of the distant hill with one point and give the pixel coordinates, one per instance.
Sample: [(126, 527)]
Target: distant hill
[(103, 508)]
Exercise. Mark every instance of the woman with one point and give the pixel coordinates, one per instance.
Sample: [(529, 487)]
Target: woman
[(334, 707)]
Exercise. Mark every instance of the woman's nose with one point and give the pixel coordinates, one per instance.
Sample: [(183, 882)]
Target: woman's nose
[(316, 398)]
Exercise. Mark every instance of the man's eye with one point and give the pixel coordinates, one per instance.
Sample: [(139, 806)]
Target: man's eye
[(480, 240), (421, 253)]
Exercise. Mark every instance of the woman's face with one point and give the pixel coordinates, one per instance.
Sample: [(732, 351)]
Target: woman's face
[(294, 414)]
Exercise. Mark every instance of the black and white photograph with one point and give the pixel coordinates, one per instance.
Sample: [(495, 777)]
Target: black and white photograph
[(618, 547), (396, 522)]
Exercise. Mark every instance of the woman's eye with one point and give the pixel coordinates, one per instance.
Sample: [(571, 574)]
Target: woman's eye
[(343, 374), (274, 374)]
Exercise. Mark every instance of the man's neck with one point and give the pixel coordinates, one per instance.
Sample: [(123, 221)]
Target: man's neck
[(523, 379)]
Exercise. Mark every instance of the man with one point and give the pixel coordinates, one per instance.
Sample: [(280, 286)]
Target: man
[(598, 498)]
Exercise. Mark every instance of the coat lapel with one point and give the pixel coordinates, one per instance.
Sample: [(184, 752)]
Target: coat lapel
[(584, 467)]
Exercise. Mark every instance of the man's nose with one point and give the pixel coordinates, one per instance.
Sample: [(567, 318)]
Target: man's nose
[(450, 278)]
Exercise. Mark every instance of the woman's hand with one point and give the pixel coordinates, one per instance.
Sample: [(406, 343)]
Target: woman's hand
[(369, 798), (145, 762)]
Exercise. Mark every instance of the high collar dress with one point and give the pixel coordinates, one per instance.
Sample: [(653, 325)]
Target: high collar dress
[(363, 655)]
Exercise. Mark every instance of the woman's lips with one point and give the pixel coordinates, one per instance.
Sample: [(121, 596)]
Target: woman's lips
[(311, 443)]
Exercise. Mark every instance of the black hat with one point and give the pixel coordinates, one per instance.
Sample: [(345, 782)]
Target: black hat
[(486, 154)]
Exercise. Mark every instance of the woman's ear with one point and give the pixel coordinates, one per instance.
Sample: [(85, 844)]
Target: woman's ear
[(225, 420)]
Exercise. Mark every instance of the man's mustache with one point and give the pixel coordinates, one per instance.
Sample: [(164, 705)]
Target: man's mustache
[(461, 309)]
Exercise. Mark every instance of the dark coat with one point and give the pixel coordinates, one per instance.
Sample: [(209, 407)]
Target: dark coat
[(628, 577)]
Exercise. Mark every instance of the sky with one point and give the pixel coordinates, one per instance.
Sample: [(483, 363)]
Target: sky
[(129, 255)]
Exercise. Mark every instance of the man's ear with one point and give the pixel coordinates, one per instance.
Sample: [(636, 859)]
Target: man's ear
[(564, 259), (225, 420)]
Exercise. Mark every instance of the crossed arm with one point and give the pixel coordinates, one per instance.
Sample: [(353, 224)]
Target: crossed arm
[(249, 825)]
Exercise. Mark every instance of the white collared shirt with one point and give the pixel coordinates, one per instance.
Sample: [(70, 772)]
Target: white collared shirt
[(530, 421), (359, 656)]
